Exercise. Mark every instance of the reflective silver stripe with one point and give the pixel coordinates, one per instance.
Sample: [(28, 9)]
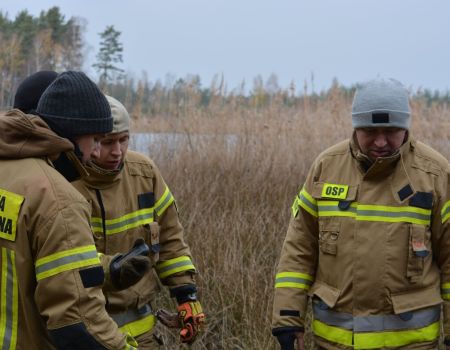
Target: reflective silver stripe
[(173, 266), (131, 315), (333, 318), (305, 201), (445, 291), (378, 323), (166, 200), (132, 220), (325, 208), (393, 214), (294, 280), (65, 260)]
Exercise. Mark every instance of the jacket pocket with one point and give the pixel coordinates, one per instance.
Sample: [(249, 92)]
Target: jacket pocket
[(335, 202), (325, 293), (415, 299), (329, 235), (419, 250)]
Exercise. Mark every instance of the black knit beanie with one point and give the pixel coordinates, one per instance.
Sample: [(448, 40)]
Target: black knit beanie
[(73, 105), (30, 90)]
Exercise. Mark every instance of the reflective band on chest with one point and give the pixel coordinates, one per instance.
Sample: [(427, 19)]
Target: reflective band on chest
[(334, 191), (10, 204)]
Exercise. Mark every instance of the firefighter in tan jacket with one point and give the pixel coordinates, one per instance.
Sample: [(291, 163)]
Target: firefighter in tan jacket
[(130, 201), (50, 285), (369, 240)]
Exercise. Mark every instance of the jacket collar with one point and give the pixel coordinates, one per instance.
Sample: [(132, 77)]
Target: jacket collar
[(100, 178), (381, 166)]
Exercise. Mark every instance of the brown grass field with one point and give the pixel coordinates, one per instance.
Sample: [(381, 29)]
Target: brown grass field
[(234, 202)]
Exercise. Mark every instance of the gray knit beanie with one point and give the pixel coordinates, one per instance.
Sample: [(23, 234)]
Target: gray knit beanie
[(381, 103), (73, 105)]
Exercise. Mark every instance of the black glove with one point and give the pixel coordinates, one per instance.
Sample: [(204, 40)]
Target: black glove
[(286, 340), (127, 269)]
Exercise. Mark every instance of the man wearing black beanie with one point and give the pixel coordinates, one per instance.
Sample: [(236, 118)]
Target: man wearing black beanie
[(31, 89), (51, 282)]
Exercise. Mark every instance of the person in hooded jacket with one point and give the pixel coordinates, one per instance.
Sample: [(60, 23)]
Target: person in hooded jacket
[(369, 237), (130, 200), (125, 272), (51, 277)]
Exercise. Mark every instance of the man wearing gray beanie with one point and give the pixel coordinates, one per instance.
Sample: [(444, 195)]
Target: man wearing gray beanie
[(51, 296), (368, 239)]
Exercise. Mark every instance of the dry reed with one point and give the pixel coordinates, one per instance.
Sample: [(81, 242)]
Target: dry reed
[(234, 199)]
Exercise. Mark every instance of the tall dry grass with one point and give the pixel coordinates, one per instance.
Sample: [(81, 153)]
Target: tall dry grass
[(234, 200), (234, 197)]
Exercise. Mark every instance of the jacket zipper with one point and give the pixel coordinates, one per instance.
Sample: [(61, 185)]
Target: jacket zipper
[(102, 210)]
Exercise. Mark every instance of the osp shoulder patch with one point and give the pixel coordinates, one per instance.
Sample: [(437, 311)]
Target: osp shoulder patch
[(10, 204), (334, 191)]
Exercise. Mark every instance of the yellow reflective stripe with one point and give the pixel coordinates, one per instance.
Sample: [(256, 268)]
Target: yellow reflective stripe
[(445, 291), (396, 338), (172, 266), (295, 207), (386, 208), (307, 202), (126, 222), (378, 213), (293, 280), (445, 212), (15, 305), (4, 275), (333, 334), (163, 203), (9, 302), (139, 327), (66, 260)]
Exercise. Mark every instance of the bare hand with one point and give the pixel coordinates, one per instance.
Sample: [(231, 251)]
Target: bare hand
[(301, 343)]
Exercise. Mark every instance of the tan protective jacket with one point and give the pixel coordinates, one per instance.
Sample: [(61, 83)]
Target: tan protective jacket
[(50, 285), (132, 203), (371, 246)]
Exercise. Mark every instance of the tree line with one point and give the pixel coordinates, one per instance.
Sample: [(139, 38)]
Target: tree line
[(49, 41), (32, 43)]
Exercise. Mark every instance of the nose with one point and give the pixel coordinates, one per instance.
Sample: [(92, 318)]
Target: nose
[(116, 151), (380, 140)]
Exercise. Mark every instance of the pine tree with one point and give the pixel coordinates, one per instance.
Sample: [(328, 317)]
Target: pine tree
[(109, 55)]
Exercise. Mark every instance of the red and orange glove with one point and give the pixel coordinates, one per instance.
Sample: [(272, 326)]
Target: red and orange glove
[(192, 319)]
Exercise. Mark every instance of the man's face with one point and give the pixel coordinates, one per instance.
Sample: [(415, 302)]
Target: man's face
[(89, 146), (113, 148), (380, 142)]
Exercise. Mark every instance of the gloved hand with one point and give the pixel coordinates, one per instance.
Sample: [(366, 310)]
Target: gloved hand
[(168, 319), (192, 319), (127, 269), (286, 340)]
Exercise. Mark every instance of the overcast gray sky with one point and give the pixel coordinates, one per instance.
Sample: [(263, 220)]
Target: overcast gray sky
[(352, 40)]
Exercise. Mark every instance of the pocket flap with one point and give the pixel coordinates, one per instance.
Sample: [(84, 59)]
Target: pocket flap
[(329, 295), (339, 192), (415, 299)]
